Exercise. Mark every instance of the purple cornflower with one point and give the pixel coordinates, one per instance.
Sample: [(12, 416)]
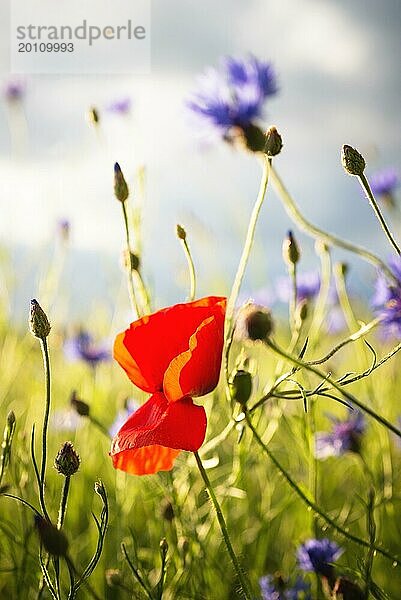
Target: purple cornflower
[(82, 347), (233, 95), (308, 286), (387, 300), (335, 321), (275, 588), (130, 406), (384, 182), (121, 106), (345, 436), (315, 555), (14, 90)]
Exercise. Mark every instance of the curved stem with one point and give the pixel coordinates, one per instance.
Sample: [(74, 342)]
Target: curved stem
[(63, 502), (46, 362), (300, 363), (191, 270), (311, 504), (131, 287), (241, 576), (295, 214), (369, 194)]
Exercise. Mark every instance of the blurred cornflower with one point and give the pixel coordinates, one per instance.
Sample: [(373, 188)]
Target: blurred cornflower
[(263, 296), (233, 95), (63, 229), (308, 286), (335, 321), (387, 300), (345, 436), (82, 347), (384, 183), (121, 106), (316, 556), (130, 406), (275, 588), (14, 90)]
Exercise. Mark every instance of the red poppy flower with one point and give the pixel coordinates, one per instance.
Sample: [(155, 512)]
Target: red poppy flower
[(174, 354)]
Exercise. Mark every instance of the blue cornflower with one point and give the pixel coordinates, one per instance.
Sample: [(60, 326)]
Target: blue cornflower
[(308, 286), (384, 182), (315, 555), (14, 90), (82, 347), (344, 437), (233, 96), (121, 106), (387, 300), (275, 588)]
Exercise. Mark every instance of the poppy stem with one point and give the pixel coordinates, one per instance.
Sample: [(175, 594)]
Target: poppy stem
[(191, 269), (295, 214), (237, 567)]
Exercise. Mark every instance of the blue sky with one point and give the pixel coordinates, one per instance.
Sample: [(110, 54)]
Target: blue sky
[(338, 67)]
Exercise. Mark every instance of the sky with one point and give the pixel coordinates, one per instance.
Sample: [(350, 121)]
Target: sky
[(340, 82)]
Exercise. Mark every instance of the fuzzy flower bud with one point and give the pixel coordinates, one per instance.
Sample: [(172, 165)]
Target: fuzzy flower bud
[(163, 546), (255, 322), (52, 539), (291, 251), (253, 138), (67, 460), (38, 321), (241, 386), (168, 511), (181, 233), (80, 407), (273, 143), (353, 162), (121, 191)]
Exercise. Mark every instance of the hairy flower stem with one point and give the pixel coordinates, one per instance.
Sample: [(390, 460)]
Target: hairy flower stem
[(311, 504), (232, 299), (191, 270), (369, 194), (304, 365), (295, 214), (131, 286), (46, 362), (247, 593), (63, 502)]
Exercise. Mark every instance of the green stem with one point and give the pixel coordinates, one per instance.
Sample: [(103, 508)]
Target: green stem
[(131, 287), (46, 362), (292, 268), (63, 502), (302, 364), (295, 214), (311, 504), (228, 326), (191, 269), (369, 194), (237, 567)]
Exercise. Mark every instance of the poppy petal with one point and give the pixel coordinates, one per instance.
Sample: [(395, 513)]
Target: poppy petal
[(157, 427), (146, 349), (196, 371)]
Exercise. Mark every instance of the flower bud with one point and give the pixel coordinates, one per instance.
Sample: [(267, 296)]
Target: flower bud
[(273, 142), (101, 491), (353, 162), (181, 233), (167, 511), (255, 322), (342, 268), (291, 251), (131, 260), (67, 460), (52, 539), (241, 386), (253, 138), (93, 116), (163, 546), (302, 311), (11, 420), (121, 191), (80, 407), (113, 577), (38, 322)]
